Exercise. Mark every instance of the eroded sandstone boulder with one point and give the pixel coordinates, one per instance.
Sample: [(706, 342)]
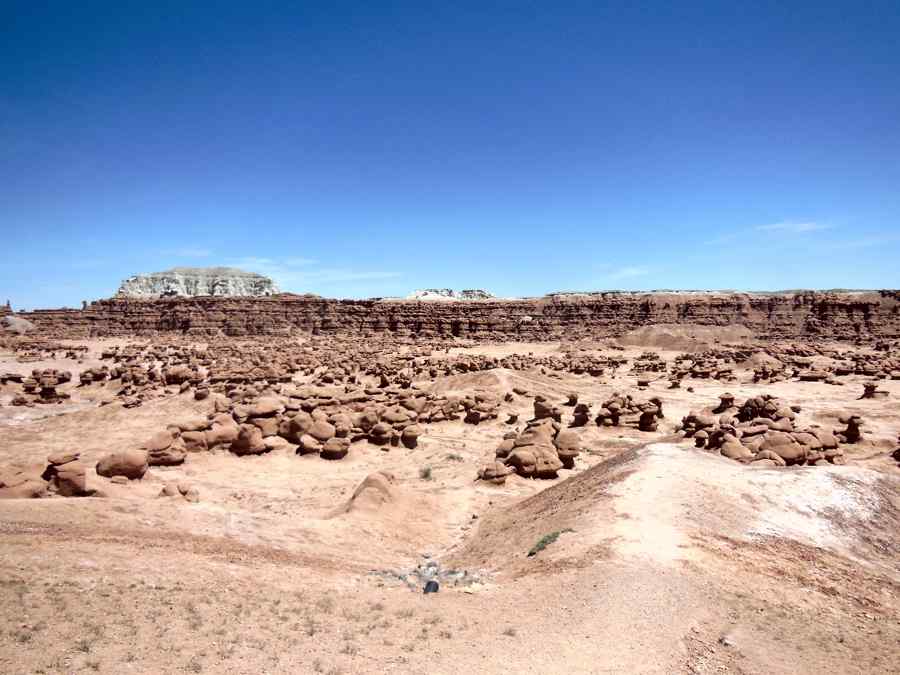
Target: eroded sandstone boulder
[(131, 464)]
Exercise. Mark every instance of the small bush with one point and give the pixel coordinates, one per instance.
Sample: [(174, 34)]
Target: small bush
[(425, 473), (545, 541)]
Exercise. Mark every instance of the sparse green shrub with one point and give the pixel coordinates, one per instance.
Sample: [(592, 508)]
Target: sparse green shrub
[(545, 541)]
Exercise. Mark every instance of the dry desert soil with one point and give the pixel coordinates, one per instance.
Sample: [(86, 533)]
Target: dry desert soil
[(649, 555)]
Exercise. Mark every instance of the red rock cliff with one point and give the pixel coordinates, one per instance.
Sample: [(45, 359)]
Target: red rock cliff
[(835, 315)]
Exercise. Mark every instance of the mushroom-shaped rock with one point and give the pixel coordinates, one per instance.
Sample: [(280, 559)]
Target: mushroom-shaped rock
[(219, 434), (298, 425), (267, 406), (538, 432), (380, 434), (308, 445), (732, 449), (410, 436), (535, 461), (165, 448), (335, 448), (395, 415), (367, 420), (58, 458), (568, 447), (828, 440), (249, 441), (131, 464), (581, 415), (198, 423), (342, 425), (542, 409), (726, 401), (66, 475), (647, 421), (177, 374), (494, 472), (853, 433), (196, 441), (322, 430), (20, 485), (764, 463), (769, 455), (807, 439), (506, 446), (783, 445)]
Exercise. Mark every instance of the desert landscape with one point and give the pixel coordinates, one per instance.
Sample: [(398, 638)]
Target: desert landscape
[(450, 338), (585, 483)]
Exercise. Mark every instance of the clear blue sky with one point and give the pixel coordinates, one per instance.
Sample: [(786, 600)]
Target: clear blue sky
[(372, 148)]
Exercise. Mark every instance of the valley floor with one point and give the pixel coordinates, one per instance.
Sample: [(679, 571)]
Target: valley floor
[(666, 558)]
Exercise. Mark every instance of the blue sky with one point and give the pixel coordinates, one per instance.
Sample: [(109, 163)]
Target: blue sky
[(364, 149)]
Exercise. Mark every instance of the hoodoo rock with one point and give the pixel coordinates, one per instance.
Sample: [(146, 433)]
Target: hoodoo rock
[(198, 281), (131, 464)]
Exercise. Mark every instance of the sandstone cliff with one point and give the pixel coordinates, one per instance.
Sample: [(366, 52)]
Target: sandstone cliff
[(829, 315), (198, 281), (449, 294)]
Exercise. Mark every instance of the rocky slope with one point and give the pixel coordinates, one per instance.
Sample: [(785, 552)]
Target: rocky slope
[(830, 315), (198, 281)]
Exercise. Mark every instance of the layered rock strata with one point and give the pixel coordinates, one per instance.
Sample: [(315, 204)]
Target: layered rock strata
[(449, 294), (198, 281), (828, 315)]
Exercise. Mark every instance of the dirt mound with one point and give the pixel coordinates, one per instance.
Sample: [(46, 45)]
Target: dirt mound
[(505, 537), (377, 490), (489, 381), (607, 507), (684, 337), (762, 360), (16, 324)]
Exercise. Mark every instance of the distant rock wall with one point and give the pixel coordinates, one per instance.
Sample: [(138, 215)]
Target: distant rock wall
[(449, 294), (198, 281), (845, 316)]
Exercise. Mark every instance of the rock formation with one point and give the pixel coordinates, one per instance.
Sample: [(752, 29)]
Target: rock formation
[(449, 294), (808, 314), (15, 324), (198, 281)]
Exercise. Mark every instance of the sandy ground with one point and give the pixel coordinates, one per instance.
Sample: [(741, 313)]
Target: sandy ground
[(667, 559)]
